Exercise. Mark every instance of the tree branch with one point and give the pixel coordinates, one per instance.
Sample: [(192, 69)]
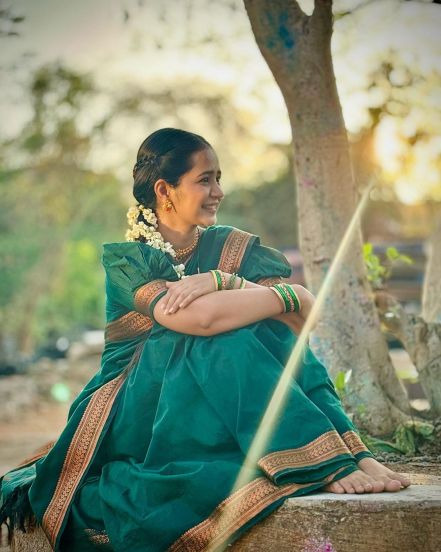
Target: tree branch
[(278, 25), (404, 326)]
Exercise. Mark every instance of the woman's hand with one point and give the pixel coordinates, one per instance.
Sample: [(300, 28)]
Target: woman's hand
[(306, 299), (291, 319), (183, 292)]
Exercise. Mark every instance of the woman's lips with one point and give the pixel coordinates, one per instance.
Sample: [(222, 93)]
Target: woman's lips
[(210, 208)]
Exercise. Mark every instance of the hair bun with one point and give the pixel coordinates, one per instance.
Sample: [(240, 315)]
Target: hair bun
[(144, 162)]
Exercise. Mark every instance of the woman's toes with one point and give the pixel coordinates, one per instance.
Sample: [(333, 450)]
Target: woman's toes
[(392, 485), (334, 488), (378, 486), (348, 487), (405, 481)]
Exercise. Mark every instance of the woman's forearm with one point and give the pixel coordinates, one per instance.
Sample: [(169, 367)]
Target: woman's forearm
[(297, 320), (222, 311)]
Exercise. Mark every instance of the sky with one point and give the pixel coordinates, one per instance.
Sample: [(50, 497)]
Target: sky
[(152, 45)]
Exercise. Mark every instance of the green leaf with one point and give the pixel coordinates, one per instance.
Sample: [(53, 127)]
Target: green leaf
[(379, 445), (394, 255), (340, 382), (367, 249), (425, 429), (405, 439)]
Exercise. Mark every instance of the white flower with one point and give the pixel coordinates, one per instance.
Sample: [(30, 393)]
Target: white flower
[(179, 269), (149, 231)]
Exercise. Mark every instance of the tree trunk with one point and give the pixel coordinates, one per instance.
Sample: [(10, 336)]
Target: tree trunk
[(297, 49), (431, 311), (38, 281), (422, 341)]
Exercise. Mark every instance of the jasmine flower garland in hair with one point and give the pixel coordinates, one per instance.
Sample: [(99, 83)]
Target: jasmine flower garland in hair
[(149, 231)]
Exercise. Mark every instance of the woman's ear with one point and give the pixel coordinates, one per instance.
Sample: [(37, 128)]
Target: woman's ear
[(161, 189)]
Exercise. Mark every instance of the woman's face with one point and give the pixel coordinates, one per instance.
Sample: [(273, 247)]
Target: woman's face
[(197, 197)]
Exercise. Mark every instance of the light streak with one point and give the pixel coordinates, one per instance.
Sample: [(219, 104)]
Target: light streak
[(275, 406)]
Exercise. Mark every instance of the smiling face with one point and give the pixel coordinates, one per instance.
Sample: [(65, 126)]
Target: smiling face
[(197, 197)]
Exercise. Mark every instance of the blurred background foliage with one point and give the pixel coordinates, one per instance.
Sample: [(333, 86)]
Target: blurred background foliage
[(66, 157), (56, 212)]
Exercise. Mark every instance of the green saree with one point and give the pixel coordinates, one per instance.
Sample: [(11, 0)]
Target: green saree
[(154, 442)]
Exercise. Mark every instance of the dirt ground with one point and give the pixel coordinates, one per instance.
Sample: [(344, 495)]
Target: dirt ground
[(19, 439)]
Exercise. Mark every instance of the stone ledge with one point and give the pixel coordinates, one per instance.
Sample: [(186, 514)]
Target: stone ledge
[(407, 521)]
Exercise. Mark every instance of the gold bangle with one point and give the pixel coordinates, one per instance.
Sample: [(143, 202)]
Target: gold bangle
[(216, 284), (232, 281), (279, 295), (224, 280)]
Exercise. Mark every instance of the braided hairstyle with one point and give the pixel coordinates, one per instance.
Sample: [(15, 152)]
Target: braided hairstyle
[(165, 154)]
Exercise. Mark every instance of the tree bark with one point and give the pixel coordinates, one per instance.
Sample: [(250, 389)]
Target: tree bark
[(431, 309), (297, 48), (422, 341)]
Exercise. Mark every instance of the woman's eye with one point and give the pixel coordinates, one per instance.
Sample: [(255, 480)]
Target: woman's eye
[(206, 180)]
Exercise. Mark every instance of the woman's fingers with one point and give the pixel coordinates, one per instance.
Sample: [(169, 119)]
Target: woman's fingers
[(173, 296), (174, 304), (179, 298), (189, 298), (173, 289), (181, 293), (184, 299)]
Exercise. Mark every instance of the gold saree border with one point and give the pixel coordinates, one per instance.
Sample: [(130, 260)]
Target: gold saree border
[(354, 443), (235, 511), (270, 281), (323, 448), (233, 250), (79, 455), (128, 326), (147, 293)]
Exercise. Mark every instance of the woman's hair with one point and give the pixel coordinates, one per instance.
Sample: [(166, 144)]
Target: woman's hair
[(165, 154)]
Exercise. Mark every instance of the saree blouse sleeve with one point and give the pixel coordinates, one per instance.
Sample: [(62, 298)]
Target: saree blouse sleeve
[(265, 265), (135, 277)]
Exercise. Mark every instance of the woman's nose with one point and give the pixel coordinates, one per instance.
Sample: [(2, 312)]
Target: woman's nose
[(217, 192)]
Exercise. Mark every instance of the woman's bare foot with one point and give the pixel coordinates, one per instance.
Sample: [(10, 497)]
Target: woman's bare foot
[(373, 468), (358, 482)]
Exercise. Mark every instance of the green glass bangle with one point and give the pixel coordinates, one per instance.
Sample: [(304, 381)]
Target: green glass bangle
[(282, 292), (292, 305), (219, 280), (217, 275), (294, 298), (223, 280), (243, 283), (290, 297)]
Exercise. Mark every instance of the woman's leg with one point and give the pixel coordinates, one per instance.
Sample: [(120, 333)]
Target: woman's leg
[(318, 387)]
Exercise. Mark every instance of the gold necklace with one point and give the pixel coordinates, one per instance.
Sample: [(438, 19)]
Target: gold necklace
[(185, 251)]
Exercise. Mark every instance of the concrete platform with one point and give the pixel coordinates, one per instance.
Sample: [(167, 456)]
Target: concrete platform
[(406, 521)]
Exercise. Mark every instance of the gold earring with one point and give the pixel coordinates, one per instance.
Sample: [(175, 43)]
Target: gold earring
[(168, 205)]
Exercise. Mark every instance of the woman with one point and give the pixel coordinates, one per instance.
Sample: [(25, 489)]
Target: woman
[(199, 329)]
